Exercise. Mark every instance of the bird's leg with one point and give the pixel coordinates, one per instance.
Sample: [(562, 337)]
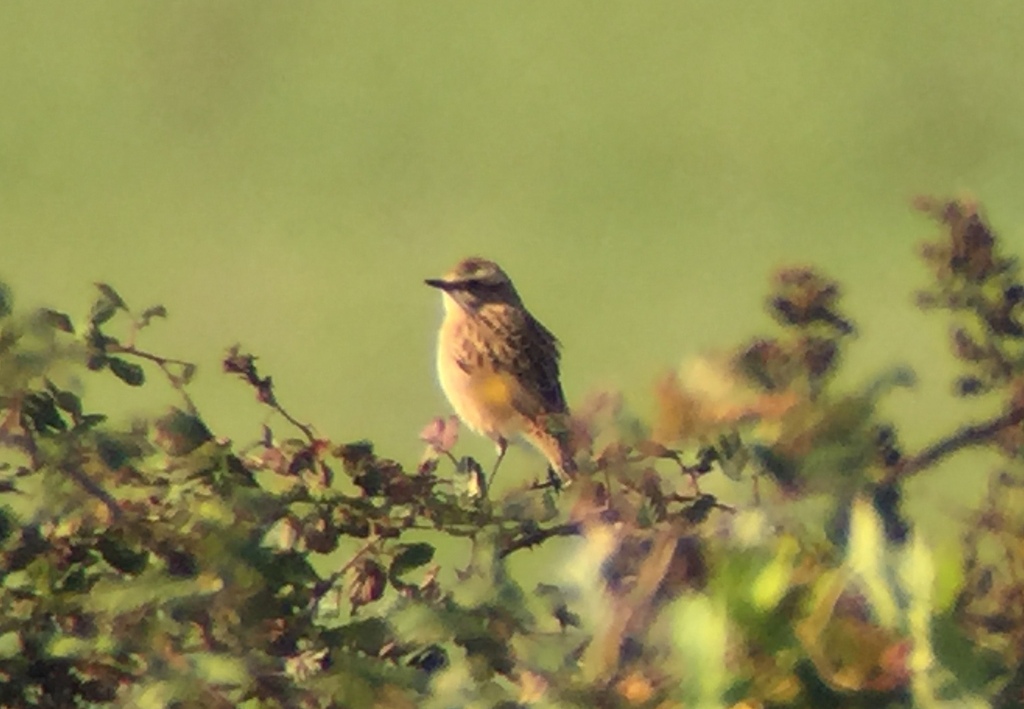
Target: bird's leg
[(502, 445)]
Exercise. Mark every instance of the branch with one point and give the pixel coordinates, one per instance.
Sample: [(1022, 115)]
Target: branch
[(244, 365), (27, 443), (307, 431), (177, 380), (973, 435), (93, 488), (538, 536)]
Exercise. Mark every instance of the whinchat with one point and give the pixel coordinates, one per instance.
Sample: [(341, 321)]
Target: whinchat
[(498, 365)]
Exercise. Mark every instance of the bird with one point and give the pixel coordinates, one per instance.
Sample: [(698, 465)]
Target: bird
[(499, 366)]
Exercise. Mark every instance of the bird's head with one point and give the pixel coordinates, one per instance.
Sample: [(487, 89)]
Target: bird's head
[(476, 282)]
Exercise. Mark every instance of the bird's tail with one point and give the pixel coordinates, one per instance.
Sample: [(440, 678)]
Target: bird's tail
[(552, 437)]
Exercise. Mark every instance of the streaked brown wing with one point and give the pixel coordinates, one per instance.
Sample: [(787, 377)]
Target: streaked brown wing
[(520, 345), (536, 365)]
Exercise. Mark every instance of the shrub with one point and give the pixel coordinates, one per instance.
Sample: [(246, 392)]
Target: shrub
[(155, 564)]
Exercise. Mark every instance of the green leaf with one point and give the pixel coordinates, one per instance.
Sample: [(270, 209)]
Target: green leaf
[(118, 554), (6, 300), (180, 433), (702, 641), (90, 421), (774, 580), (107, 305), (781, 469), (102, 311), (8, 520), (115, 452), (949, 576), (234, 472), (354, 455), (128, 372), (866, 558), (98, 341), (56, 320), (418, 623), (10, 645), (153, 587), (366, 636), (975, 670), (41, 410), (733, 457), (9, 337), (283, 535), (219, 668), (68, 647), (156, 311), (410, 557), (112, 296), (65, 400)]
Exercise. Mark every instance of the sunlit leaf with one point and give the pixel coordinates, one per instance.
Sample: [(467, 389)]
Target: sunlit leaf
[(218, 668), (10, 644), (283, 535), (700, 633), (68, 646), (152, 587), (867, 558), (775, 579), (418, 623), (949, 576)]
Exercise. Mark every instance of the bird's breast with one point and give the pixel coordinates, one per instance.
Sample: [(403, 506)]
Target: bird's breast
[(482, 395)]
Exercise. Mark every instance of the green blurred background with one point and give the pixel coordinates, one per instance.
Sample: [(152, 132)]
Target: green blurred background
[(285, 174)]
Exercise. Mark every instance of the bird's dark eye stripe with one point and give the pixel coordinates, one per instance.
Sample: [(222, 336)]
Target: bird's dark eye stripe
[(477, 283)]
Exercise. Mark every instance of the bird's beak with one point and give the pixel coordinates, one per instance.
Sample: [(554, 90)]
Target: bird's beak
[(439, 283)]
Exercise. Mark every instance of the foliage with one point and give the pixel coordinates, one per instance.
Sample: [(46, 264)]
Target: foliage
[(155, 564)]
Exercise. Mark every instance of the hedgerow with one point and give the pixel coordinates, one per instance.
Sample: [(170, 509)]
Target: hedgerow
[(157, 564)]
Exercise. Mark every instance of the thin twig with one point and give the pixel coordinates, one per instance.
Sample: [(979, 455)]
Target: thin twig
[(244, 365), (965, 437), (322, 587), (701, 497), (307, 431), (538, 536), (93, 488), (164, 363), (27, 443)]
